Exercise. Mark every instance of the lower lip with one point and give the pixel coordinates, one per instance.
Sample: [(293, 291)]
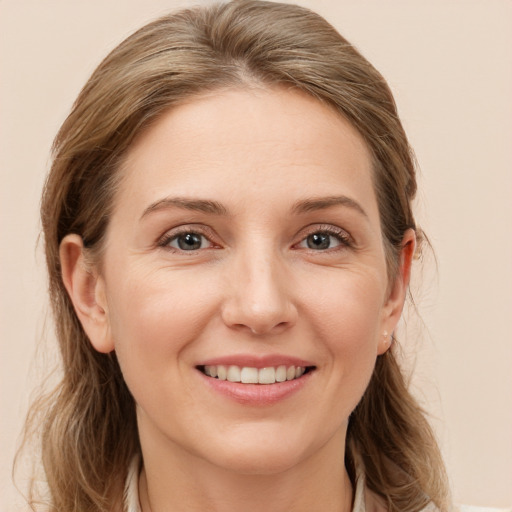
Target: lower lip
[(257, 394)]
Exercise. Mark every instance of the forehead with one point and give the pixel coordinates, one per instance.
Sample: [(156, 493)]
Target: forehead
[(273, 143)]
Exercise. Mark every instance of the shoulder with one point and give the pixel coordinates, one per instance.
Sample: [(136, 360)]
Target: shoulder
[(131, 489), (467, 508), (471, 508), (373, 503)]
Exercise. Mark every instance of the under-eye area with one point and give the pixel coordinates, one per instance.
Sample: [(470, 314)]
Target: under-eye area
[(250, 375)]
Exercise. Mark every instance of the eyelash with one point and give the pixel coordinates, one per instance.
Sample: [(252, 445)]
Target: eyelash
[(344, 239), (167, 238)]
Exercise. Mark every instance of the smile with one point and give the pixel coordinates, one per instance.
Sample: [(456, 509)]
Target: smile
[(250, 375)]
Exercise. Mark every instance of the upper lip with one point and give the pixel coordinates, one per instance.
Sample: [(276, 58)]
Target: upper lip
[(256, 361)]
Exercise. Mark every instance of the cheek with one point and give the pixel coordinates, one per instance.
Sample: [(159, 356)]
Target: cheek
[(154, 322), (153, 319), (347, 324), (349, 309)]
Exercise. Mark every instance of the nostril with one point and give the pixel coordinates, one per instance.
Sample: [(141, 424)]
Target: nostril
[(262, 329), (260, 307)]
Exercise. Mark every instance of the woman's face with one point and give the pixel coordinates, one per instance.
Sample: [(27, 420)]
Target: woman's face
[(246, 239)]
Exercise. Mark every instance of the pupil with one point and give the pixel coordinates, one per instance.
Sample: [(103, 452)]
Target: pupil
[(318, 241), (189, 242)]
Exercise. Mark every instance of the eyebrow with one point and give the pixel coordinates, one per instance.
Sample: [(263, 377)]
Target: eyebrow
[(195, 205), (322, 203), (216, 208)]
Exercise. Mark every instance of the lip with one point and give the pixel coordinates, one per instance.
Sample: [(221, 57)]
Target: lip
[(257, 395), (254, 361)]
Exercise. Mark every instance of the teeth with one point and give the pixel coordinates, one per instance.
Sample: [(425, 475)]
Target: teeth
[(281, 373), (210, 371), (248, 375), (234, 374), (267, 375), (222, 372)]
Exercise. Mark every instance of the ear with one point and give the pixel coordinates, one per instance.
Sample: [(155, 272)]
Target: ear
[(397, 292), (86, 289)]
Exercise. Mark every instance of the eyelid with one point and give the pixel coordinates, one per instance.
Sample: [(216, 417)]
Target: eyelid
[(164, 240), (341, 234)]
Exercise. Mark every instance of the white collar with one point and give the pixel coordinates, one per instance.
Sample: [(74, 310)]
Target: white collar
[(131, 490), (131, 487)]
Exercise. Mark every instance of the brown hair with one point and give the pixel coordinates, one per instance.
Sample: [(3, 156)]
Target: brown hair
[(89, 432)]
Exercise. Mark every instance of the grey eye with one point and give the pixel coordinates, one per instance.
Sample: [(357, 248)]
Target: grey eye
[(320, 241), (188, 241)]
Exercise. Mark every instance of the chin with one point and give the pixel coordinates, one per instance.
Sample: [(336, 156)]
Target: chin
[(260, 462), (267, 453)]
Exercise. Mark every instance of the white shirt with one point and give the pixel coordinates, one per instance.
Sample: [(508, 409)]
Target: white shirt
[(132, 503)]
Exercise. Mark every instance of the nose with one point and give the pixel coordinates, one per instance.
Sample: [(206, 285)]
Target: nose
[(259, 300)]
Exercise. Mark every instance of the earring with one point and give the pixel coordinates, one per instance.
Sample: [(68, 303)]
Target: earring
[(386, 334)]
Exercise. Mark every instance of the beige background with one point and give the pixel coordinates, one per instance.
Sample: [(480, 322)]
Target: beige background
[(449, 65)]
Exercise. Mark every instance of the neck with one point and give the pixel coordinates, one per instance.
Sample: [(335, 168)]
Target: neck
[(182, 482)]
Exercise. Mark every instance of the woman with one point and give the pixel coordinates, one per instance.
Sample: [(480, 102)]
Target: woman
[(229, 237)]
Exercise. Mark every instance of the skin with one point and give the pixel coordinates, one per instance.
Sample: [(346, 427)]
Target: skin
[(254, 286)]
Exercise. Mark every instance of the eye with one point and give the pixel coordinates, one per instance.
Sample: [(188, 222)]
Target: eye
[(320, 241), (187, 241), (325, 239)]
